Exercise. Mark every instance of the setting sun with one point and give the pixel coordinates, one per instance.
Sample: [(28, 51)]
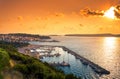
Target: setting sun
[(110, 13)]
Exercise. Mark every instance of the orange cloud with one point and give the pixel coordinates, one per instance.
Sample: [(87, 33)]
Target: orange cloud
[(20, 18), (81, 25), (59, 14)]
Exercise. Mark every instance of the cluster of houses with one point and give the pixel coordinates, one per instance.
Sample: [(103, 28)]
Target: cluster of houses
[(15, 38)]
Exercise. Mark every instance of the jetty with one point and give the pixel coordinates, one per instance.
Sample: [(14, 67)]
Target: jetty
[(95, 67)]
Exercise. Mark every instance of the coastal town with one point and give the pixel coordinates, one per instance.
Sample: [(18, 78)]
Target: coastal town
[(24, 38)]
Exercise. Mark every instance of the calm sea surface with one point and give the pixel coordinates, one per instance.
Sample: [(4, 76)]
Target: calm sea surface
[(104, 51)]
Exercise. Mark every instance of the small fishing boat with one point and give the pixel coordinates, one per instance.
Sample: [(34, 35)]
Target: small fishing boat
[(65, 64)]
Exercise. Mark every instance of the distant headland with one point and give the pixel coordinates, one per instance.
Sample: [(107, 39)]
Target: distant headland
[(95, 35)]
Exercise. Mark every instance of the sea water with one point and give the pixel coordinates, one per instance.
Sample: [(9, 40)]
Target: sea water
[(104, 51)]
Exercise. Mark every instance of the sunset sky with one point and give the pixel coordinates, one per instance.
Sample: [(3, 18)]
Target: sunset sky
[(58, 16)]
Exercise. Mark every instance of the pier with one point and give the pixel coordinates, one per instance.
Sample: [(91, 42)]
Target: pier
[(95, 67)]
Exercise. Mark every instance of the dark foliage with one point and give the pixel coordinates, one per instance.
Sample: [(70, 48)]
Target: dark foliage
[(32, 68), (14, 44)]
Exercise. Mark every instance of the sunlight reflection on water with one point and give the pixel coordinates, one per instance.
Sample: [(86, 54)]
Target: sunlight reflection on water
[(110, 45)]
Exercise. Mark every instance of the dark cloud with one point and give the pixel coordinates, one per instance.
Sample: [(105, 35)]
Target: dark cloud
[(91, 12), (117, 11), (94, 13)]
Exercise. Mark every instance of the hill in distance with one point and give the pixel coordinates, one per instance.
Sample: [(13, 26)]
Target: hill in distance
[(95, 35)]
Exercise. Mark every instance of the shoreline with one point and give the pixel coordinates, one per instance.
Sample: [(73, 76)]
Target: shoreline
[(99, 70)]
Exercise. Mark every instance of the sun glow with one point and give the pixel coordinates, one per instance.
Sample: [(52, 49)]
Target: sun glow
[(110, 13)]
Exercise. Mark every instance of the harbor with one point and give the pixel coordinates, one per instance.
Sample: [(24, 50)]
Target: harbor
[(65, 59)]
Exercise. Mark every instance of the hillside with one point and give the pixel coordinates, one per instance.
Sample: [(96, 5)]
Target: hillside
[(18, 66), (4, 60)]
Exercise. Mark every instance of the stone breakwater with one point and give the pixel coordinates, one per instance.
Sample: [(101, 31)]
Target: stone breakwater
[(85, 61)]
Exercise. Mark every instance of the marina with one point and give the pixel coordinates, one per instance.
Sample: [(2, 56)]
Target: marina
[(64, 58)]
